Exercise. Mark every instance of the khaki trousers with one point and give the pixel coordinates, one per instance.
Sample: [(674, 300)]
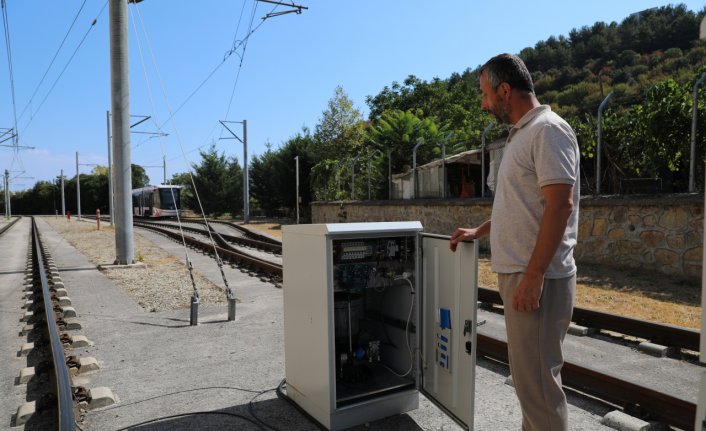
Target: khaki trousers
[(534, 348)]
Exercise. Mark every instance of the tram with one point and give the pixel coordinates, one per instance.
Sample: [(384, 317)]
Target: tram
[(156, 201)]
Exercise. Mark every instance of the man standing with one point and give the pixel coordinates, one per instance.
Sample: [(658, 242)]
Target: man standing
[(534, 229)]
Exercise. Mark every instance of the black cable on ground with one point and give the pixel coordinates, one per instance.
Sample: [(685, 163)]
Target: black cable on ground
[(181, 392), (304, 413), (251, 410), (190, 414)]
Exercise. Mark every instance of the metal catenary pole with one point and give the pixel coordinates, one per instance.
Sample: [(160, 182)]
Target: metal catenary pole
[(110, 169), (246, 183), (120, 107), (6, 179), (78, 190), (63, 200), (297, 171)]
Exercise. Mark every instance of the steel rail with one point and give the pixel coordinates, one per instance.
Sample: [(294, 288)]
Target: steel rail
[(265, 246), (236, 256), (668, 335), (9, 225), (260, 237), (631, 396), (64, 391)]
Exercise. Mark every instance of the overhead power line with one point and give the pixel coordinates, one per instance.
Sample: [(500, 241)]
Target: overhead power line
[(51, 63), (93, 24), (226, 56), (6, 27)]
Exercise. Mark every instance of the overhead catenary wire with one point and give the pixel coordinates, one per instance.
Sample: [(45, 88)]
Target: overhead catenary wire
[(189, 265), (8, 50), (51, 63), (226, 56), (93, 24), (242, 57), (229, 293)]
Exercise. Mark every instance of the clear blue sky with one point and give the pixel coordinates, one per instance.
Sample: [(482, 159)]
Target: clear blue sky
[(289, 70)]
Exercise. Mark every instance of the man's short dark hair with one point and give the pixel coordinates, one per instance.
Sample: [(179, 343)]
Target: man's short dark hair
[(508, 68)]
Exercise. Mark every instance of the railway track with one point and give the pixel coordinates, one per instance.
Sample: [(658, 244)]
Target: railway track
[(224, 249), (56, 404), (667, 335), (248, 239), (632, 397), (54, 400)]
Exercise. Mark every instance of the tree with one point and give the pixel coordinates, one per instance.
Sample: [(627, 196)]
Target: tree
[(139, 176), (339, 130), (210, 179), (234, 186), (399, 132), (187, 198), (274, 175), (338, 136)]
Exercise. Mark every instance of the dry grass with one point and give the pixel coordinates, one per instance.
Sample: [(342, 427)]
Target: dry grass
[(646, 296), (163, 283)]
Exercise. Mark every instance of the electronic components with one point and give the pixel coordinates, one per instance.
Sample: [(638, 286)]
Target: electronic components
[(355, 250), (371, 263), (364, 271)]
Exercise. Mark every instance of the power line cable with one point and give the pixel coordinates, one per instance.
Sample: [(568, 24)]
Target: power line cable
[(6, 26), (226, 56), (196, 295), (56, 54), (93, 24), (230, 295), (242, 58)]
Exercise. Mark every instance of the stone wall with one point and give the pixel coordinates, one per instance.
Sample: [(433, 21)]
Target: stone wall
[(663, 234)]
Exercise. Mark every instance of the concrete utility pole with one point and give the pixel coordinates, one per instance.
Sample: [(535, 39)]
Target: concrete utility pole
[(246, 181), (63, 201), (120, 103)]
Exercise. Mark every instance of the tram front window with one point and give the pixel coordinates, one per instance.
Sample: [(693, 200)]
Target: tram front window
[(168, 199)]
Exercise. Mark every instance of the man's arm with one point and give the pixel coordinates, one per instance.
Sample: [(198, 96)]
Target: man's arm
[(464, 234), (558, 205)]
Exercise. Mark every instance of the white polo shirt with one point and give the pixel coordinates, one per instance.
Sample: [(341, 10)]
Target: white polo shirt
[(541, 149)]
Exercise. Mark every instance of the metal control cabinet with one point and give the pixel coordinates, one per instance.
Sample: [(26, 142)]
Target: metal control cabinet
[(375, 313)]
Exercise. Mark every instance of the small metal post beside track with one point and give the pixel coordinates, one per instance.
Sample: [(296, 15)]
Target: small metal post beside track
[(195, 309), (231, 304)]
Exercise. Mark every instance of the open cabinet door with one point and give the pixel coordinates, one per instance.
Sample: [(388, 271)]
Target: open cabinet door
[(448, 326)]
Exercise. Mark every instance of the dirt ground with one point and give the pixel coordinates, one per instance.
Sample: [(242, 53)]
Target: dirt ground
[(633, 293)]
